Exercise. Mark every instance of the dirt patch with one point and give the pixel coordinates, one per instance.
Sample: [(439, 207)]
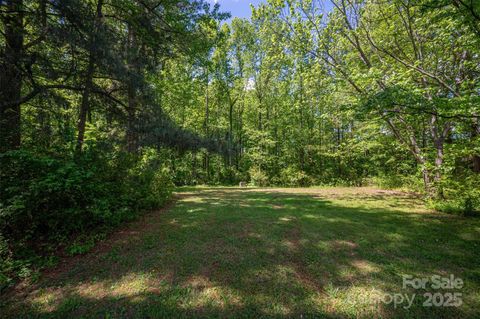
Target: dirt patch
[(364, 266), (343, 244), (127, 234), (130, 232), (198, 282), (339, 192)]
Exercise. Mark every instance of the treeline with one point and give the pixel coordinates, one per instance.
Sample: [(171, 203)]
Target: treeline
[(383, 92), (106, 104), (82, 125)]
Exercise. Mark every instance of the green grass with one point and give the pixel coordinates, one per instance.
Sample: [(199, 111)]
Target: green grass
[(251, 253)]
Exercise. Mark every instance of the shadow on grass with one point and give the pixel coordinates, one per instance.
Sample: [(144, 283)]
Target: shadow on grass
[(253, 253)]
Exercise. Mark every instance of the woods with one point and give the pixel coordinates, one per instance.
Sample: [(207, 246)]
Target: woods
[(107, 105), (303, 97)]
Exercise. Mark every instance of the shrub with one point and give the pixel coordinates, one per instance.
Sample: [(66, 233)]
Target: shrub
[(258, 177), (47, 201), (388, 182), (457, 207), (5, 263), (462, 195), (293, 177), (466, 204), (160, 188)]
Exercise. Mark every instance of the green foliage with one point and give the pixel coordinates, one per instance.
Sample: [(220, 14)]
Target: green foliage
[(466, 206), (84, 243), (293, 177), (258, 177), (6, 263), (329, 228), (462, 196), (396, 181), (104, 113), (149, 183), (388, 182), (48, 200)]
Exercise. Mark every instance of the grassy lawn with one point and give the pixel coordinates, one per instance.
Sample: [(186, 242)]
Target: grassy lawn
[(245, 253)]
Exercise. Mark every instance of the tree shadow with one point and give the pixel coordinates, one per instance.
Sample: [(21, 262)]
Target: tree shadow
[(260, 253)]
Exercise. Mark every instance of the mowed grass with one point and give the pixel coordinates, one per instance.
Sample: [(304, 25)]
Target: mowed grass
[(272, 253)]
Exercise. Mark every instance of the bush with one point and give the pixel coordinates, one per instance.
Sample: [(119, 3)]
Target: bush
[(258, 177), (6, 263), (293, 177), (47, 201), (462, 207), (43, 196), (388, 182), (464, 201), (160, 188), (410, 182), (462, 195)]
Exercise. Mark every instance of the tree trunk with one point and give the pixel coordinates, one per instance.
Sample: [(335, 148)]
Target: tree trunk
[(260, 124), (194, 169), (438, 142), (131, 135), (476, 163), (206, 160), (475, 134), (411, 142), (206, 166), (230, 133), (11, 76), (426, 180), (438, 168), (43, 120), (82, 118), (88, 85)]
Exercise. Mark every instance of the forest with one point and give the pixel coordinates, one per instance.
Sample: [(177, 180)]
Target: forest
[(109, 106)]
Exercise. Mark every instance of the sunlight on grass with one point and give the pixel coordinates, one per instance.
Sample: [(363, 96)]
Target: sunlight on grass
[(270, 253), (355, 301)]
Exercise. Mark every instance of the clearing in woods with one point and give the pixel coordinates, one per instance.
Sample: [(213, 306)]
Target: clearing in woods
[(229, 252)]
